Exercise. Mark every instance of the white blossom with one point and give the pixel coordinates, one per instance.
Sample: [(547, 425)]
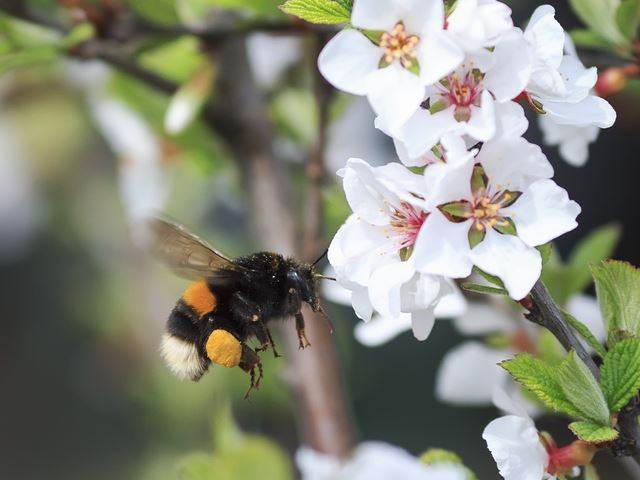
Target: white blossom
[(373, 461), (515, 445), (478, 24), (559, 81), (369, 251), (572, 141), (413, 51), (493, 215)]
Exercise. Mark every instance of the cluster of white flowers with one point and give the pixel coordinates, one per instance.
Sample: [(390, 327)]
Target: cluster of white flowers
[(444, 81)]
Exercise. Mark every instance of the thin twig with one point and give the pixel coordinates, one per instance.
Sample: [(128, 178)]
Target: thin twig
[(547, 314)]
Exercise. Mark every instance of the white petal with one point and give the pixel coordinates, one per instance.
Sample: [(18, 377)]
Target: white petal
[(547, 36), (575, 151), (422, 323), (483, 318), (386, 285), (361, 304), (442, 247), (512, 68), (476, 25), (424, 129), (469, 374), (315, 465), (377, 14), (395, 94), (585, 308), (380, 330), (482, 124), (366, 196), (543, 212), (438, 56), (512, 163), (510, 120), (449, 182), (507, 257), (421, 292), (592, 110), (423, 16), (452, 304), (348, 60), (381, 461), (410, 161), (516, 448)]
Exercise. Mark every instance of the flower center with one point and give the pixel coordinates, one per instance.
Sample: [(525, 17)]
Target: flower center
[(485, 209), (406, 222), (461, 91), (399, 45)]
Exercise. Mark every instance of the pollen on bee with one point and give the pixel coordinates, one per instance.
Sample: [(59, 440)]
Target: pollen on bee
[(199, 297), (224, 349)]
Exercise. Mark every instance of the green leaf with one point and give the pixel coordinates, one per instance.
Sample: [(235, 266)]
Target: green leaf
[(545, 252), (586, 38), (618, 290), (477, 288), (327, 12), (488, 277), (582, 389), (597, 246), (628, 18), (600, 16), (590, 473), (540, 379), (79, 34), (593, 433), (585, 333), (620, 373)]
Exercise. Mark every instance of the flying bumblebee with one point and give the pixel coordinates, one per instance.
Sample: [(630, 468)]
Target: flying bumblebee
[(229, 302)]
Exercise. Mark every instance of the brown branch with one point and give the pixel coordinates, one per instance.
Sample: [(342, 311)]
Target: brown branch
[(322, 412), (544, 312)]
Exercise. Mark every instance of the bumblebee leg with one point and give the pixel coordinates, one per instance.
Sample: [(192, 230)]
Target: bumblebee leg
[(252, 374), (260, 374), (273, 345), (303, 341)]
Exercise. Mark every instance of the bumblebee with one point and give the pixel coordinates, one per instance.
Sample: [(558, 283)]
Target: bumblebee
[(229, 302)]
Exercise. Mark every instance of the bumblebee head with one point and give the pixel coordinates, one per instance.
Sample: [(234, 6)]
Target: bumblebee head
[(302, 283)]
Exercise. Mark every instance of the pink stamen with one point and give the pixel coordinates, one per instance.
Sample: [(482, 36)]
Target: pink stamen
[(406, 222)]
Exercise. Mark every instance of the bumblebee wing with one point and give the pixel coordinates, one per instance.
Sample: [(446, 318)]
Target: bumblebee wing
[(185, 253)]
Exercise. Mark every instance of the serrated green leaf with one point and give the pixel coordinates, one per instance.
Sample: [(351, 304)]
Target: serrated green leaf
[(540, 379), (585, 333), (596, 247), (326, 12), (593, 433), (618, 290), (477, 288), (599, 15), (620, 373), (582, 389), (628, 18)]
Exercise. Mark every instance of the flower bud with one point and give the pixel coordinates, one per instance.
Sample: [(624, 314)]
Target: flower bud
[(563, 460), (611, 81)]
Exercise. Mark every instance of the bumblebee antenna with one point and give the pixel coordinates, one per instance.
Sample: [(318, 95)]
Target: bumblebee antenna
[(327, 319), (320, 258), (324, 277)]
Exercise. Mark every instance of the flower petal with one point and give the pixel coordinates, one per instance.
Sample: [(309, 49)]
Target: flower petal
[(512, 68), (482, 124), (422, 323), (585, 308), (395, 94), (442, 247), (469, 374), (424, 129), (506, 256), (543, 212), (483, 319), (386, 285), (423, 16), (438, 55), (380, 329), (592, 110), (348, 60), (516, 448), (377, 14)]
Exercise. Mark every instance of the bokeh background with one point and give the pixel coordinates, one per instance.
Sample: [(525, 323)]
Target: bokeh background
[(83, 391)]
